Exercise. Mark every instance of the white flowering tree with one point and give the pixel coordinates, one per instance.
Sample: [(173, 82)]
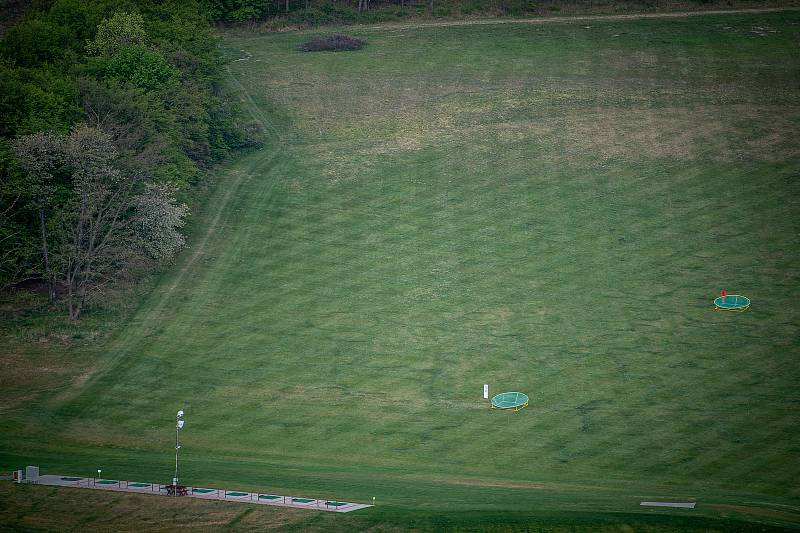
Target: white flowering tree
[(109, 220)]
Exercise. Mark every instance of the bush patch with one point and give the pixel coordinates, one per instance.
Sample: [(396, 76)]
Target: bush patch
[(332, 43)]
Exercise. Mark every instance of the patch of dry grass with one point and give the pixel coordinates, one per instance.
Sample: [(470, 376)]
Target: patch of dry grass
[(30, 507)]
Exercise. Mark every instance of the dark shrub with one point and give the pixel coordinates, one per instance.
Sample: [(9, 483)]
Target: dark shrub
[(309, 18), (332, 43)]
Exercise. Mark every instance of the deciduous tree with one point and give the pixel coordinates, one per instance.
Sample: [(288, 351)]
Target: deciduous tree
[(111, 219), (122, 30)]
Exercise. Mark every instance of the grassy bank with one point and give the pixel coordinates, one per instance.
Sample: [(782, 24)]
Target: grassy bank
[(544, 208)]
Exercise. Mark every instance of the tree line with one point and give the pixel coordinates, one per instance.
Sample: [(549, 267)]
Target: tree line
[(110, 111), (277, 14), (314, 12)]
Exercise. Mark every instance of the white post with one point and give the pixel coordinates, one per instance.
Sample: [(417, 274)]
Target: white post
[(485, 391)]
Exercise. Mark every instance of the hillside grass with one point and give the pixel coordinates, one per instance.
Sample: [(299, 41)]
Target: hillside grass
[(544, 208)]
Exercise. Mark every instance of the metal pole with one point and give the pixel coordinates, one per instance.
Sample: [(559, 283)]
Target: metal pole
[(177, 448)]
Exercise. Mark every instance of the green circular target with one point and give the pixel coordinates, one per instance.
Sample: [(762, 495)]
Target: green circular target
[(510, 400)]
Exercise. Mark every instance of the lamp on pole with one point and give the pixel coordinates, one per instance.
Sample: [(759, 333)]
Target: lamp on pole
[(178, 426)]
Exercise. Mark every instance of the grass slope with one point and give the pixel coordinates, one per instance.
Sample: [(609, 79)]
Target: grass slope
[(545, 208)]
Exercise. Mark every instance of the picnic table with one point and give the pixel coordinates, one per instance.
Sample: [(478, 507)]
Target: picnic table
[(177, 490)]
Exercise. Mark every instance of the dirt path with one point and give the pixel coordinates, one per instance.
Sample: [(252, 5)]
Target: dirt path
[(218, 205), (576, 18), (232, 187)]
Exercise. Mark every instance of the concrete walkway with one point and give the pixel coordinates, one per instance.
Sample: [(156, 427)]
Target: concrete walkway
[(202, 493)]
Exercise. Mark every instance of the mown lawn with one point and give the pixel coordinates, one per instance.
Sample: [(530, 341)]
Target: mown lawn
[(547, 208)]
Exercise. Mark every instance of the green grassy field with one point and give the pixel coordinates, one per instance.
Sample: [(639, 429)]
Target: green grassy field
[(548, 208)]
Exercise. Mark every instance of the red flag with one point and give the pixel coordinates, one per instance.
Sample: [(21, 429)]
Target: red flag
[(723, 293)]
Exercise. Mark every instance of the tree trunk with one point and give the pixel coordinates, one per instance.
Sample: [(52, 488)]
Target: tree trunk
[(51, 282), (95, 240), (81, 298), (76, 265), (74, 309), (430, 5), (73, 312), (287, 6)]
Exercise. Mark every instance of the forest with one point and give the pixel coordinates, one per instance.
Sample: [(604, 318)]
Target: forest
[(110, 113)]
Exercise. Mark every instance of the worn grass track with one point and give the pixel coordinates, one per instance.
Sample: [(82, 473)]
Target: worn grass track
[(546, 208)]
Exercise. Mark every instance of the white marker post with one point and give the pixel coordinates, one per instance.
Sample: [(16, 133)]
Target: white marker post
[(485, 391)]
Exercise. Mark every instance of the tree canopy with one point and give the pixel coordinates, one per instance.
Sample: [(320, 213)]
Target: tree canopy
[(113, 106)]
